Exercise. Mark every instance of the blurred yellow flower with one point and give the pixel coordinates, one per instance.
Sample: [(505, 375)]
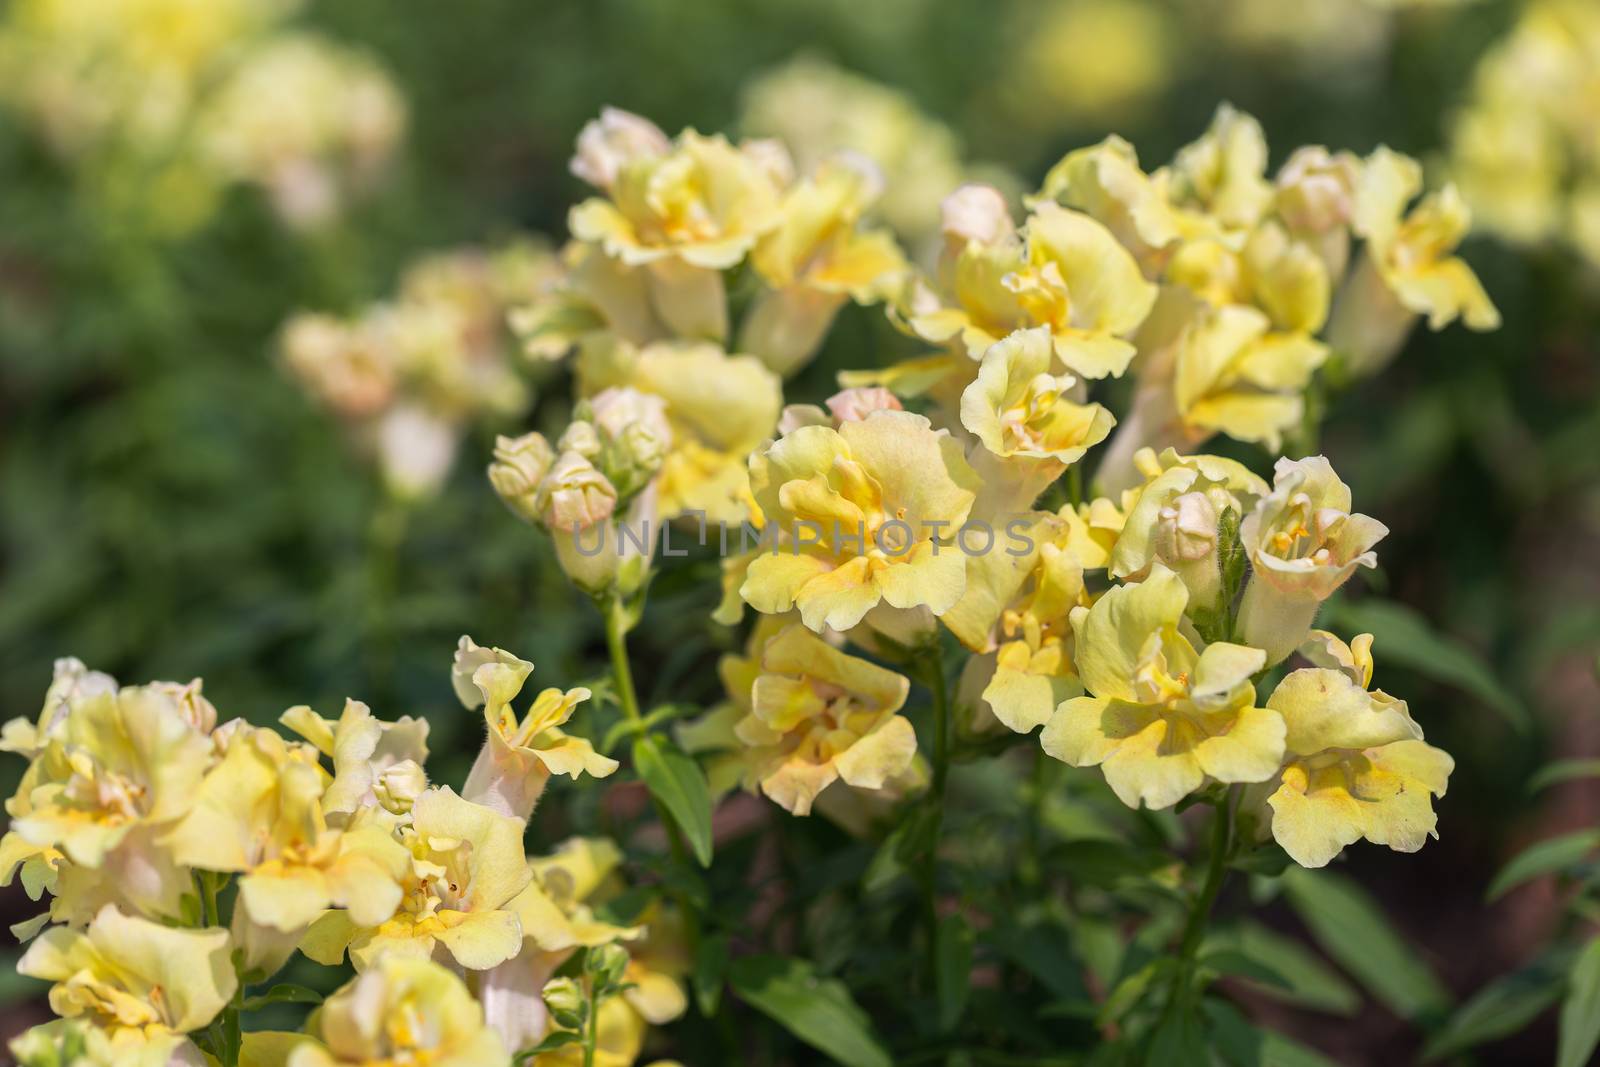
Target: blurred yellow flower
[(144, 985), (398, 1011)]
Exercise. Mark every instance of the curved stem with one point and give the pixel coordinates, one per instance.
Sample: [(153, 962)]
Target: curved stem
[(617, 626)]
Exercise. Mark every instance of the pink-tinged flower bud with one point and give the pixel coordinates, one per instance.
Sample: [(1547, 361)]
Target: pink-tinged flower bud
[(520, 464), (576, 494), (611, 142), (853, 405)]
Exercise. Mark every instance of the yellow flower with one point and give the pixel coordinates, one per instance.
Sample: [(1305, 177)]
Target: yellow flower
[(363, 748), (818, 715), (704, 202), (865, 506), (1016, 408), (684, 215), (1222, 370), (1356, 764), (815, 260), (258, 813), (719, 408), (1409, 269), (143, 984), (398, 1011), (77, 1043), (1304, 543), (122, 762), (519, 756), (1161, 717), (1105, 182), (1174, 519), (1065, 271), (1219, 180), (71, 681), (1029, 428), (1016, 613), (466, 866)]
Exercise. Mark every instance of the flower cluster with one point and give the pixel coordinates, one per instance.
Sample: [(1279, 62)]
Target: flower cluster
[(1524, 149), (187, 860), (407, 375), (170, 101)]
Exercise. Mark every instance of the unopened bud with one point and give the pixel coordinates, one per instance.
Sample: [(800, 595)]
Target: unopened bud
[(520, 464)]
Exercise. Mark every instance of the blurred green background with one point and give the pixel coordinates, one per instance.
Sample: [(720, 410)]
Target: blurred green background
[(171, 504)]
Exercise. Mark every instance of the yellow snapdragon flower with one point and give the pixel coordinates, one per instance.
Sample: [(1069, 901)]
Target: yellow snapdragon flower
[(258, 814), (1304, 543), (1218, 181), (1409, 269), (466, 867), (719, 406), (310, 122), (117, 770), (1174, 518), (1027, 421), (877, 494), (364, 750), (817, 716), (1106, 182), (520, 754), (1162, 718), (683, 212), (398, 1011), (815, 260), (1356, 764), (1015, 614), (143, 985), (1064, 270), (71, 681)]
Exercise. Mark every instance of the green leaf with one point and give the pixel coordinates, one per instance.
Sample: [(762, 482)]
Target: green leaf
[(818, 1011), (1563, 771), (1502, 1007), (1132, 989), (1350, 928), (677, 781), (1545, 857), (1403, 635), (953, 979), (1580, 1011), (1242, 1044), (1237, 964), (1312, 983), (282, 993), (559, 1039), (1178, 1041), (710, 969)]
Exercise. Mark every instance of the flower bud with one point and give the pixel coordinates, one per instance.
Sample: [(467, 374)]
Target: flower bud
[(397, 787), (976, 213), (565, 1000), (520, 464), (581, 437), (606, 963), (576, 494), (636, 437), (853, 405), (610, 142)]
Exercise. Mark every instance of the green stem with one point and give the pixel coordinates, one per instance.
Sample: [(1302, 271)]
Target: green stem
[(1216, 873), (591, 1027), (617, 625), (934, 667)]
